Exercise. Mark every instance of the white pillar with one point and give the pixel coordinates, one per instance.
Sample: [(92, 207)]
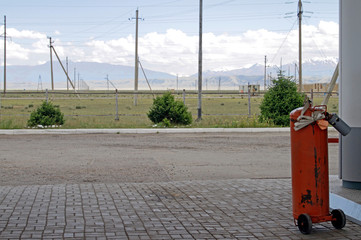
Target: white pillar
[(350, 89)]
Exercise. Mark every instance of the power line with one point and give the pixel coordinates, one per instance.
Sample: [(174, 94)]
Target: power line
[(317, 46), (70, 3), (283, 42)]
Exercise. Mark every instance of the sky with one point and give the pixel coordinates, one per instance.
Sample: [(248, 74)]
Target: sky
[(236, 33)]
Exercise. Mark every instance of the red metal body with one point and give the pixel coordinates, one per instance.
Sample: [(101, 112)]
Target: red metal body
[(333, 140), (310, 184)]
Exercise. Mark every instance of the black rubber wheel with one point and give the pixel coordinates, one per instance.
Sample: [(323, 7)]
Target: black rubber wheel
[(340, 218), (304, 223)]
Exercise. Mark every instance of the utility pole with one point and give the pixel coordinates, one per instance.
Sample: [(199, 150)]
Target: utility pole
[(265, 72), (67, 72), (299, 14), (177, 83), (107, 78), (136, 64), (51, 63), (249, 99), (63, 68), (74, 77), (200, 61), (78, 80), (116, 105), (136, 61), (40, 84), (4, 54)]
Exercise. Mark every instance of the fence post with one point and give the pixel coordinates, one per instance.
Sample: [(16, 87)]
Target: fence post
[(249, 101), (116, 105), (46, 95), (184, 96)]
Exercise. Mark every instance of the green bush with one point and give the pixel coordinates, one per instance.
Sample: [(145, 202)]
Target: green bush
[(166, 107), (46, 115), (280, 100)]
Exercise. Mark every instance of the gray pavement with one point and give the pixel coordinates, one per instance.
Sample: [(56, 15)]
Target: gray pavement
[(218, 208), (148, 157)]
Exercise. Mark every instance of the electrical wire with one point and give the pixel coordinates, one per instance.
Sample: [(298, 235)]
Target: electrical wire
[(283, 42), (322, 53), (115, 26)]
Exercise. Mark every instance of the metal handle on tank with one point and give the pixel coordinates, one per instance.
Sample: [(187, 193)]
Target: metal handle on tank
[(339, 124)]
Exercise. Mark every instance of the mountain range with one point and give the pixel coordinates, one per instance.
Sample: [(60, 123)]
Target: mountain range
[(95, 75)]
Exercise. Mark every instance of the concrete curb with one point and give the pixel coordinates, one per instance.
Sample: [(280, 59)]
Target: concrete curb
[(145, 130), (142, 131), (351, 209)]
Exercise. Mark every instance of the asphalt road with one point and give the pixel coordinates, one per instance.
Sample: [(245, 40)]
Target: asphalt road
[(156, 157)]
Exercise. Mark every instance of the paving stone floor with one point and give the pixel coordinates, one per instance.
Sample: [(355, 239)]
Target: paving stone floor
[(227, 209)]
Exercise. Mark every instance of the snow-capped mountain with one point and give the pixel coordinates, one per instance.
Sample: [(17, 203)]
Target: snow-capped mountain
[(94, 75), (311, 68)]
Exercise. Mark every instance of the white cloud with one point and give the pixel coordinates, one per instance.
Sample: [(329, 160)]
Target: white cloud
[(329, 28), (40, 46), (177, 52), (16, 52), (24, 34)]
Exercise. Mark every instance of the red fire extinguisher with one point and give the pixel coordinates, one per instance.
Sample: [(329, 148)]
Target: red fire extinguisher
[(309, 153)]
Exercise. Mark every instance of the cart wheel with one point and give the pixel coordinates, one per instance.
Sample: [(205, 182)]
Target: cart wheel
[(340, 220), (304, 223)]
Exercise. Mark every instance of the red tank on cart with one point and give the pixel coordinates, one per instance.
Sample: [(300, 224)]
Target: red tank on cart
[(310, 184)]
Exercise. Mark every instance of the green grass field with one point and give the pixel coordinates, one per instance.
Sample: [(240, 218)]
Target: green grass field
[(98, 110)]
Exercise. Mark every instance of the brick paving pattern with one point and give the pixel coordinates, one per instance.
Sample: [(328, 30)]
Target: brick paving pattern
[(228, 209)]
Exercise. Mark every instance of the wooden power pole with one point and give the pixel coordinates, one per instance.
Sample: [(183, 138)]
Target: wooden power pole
[(265, 73), (67, 71), (51, 63), (136, 61), (200, 61), (299, 14), (136, 64), (4, 54)]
